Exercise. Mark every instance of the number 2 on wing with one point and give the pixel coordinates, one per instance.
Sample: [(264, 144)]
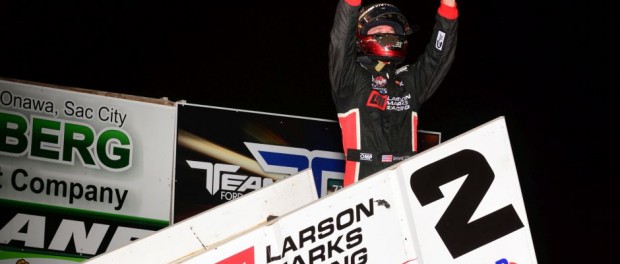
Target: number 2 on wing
[(458, 234)]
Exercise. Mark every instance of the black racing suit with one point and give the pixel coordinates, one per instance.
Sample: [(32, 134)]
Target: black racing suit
[(377, 110)]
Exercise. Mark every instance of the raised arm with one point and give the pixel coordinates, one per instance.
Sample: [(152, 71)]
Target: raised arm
[(433, 65), (342, 51)]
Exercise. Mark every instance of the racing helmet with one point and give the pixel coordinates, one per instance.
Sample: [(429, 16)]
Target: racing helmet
[(383, 46)]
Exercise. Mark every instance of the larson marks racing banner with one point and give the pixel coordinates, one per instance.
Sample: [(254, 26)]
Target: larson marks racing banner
[(223, 154), (80, 173), (457, 203), (355, 225)]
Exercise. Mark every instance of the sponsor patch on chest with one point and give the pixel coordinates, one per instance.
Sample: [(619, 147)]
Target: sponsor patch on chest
[(377, 100), (390, 103)]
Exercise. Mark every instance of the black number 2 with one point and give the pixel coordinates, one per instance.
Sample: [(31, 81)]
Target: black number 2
[(459, 236)]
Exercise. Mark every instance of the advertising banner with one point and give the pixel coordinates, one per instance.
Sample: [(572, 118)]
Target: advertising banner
[(359, 224), (223, 154), (208, 229), (80, 173)]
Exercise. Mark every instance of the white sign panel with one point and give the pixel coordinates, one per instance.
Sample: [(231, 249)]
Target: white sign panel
[(360, 224), (466, 201)]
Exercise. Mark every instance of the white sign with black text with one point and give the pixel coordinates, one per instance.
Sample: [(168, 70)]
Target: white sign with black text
[(466, 200)]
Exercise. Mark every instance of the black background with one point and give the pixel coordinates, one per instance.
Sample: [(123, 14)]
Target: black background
[(549, 67)]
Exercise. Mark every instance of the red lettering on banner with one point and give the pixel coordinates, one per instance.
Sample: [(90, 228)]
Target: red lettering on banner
[(243, 257)]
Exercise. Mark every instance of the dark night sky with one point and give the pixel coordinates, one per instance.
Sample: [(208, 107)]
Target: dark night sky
[(549, 67)]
